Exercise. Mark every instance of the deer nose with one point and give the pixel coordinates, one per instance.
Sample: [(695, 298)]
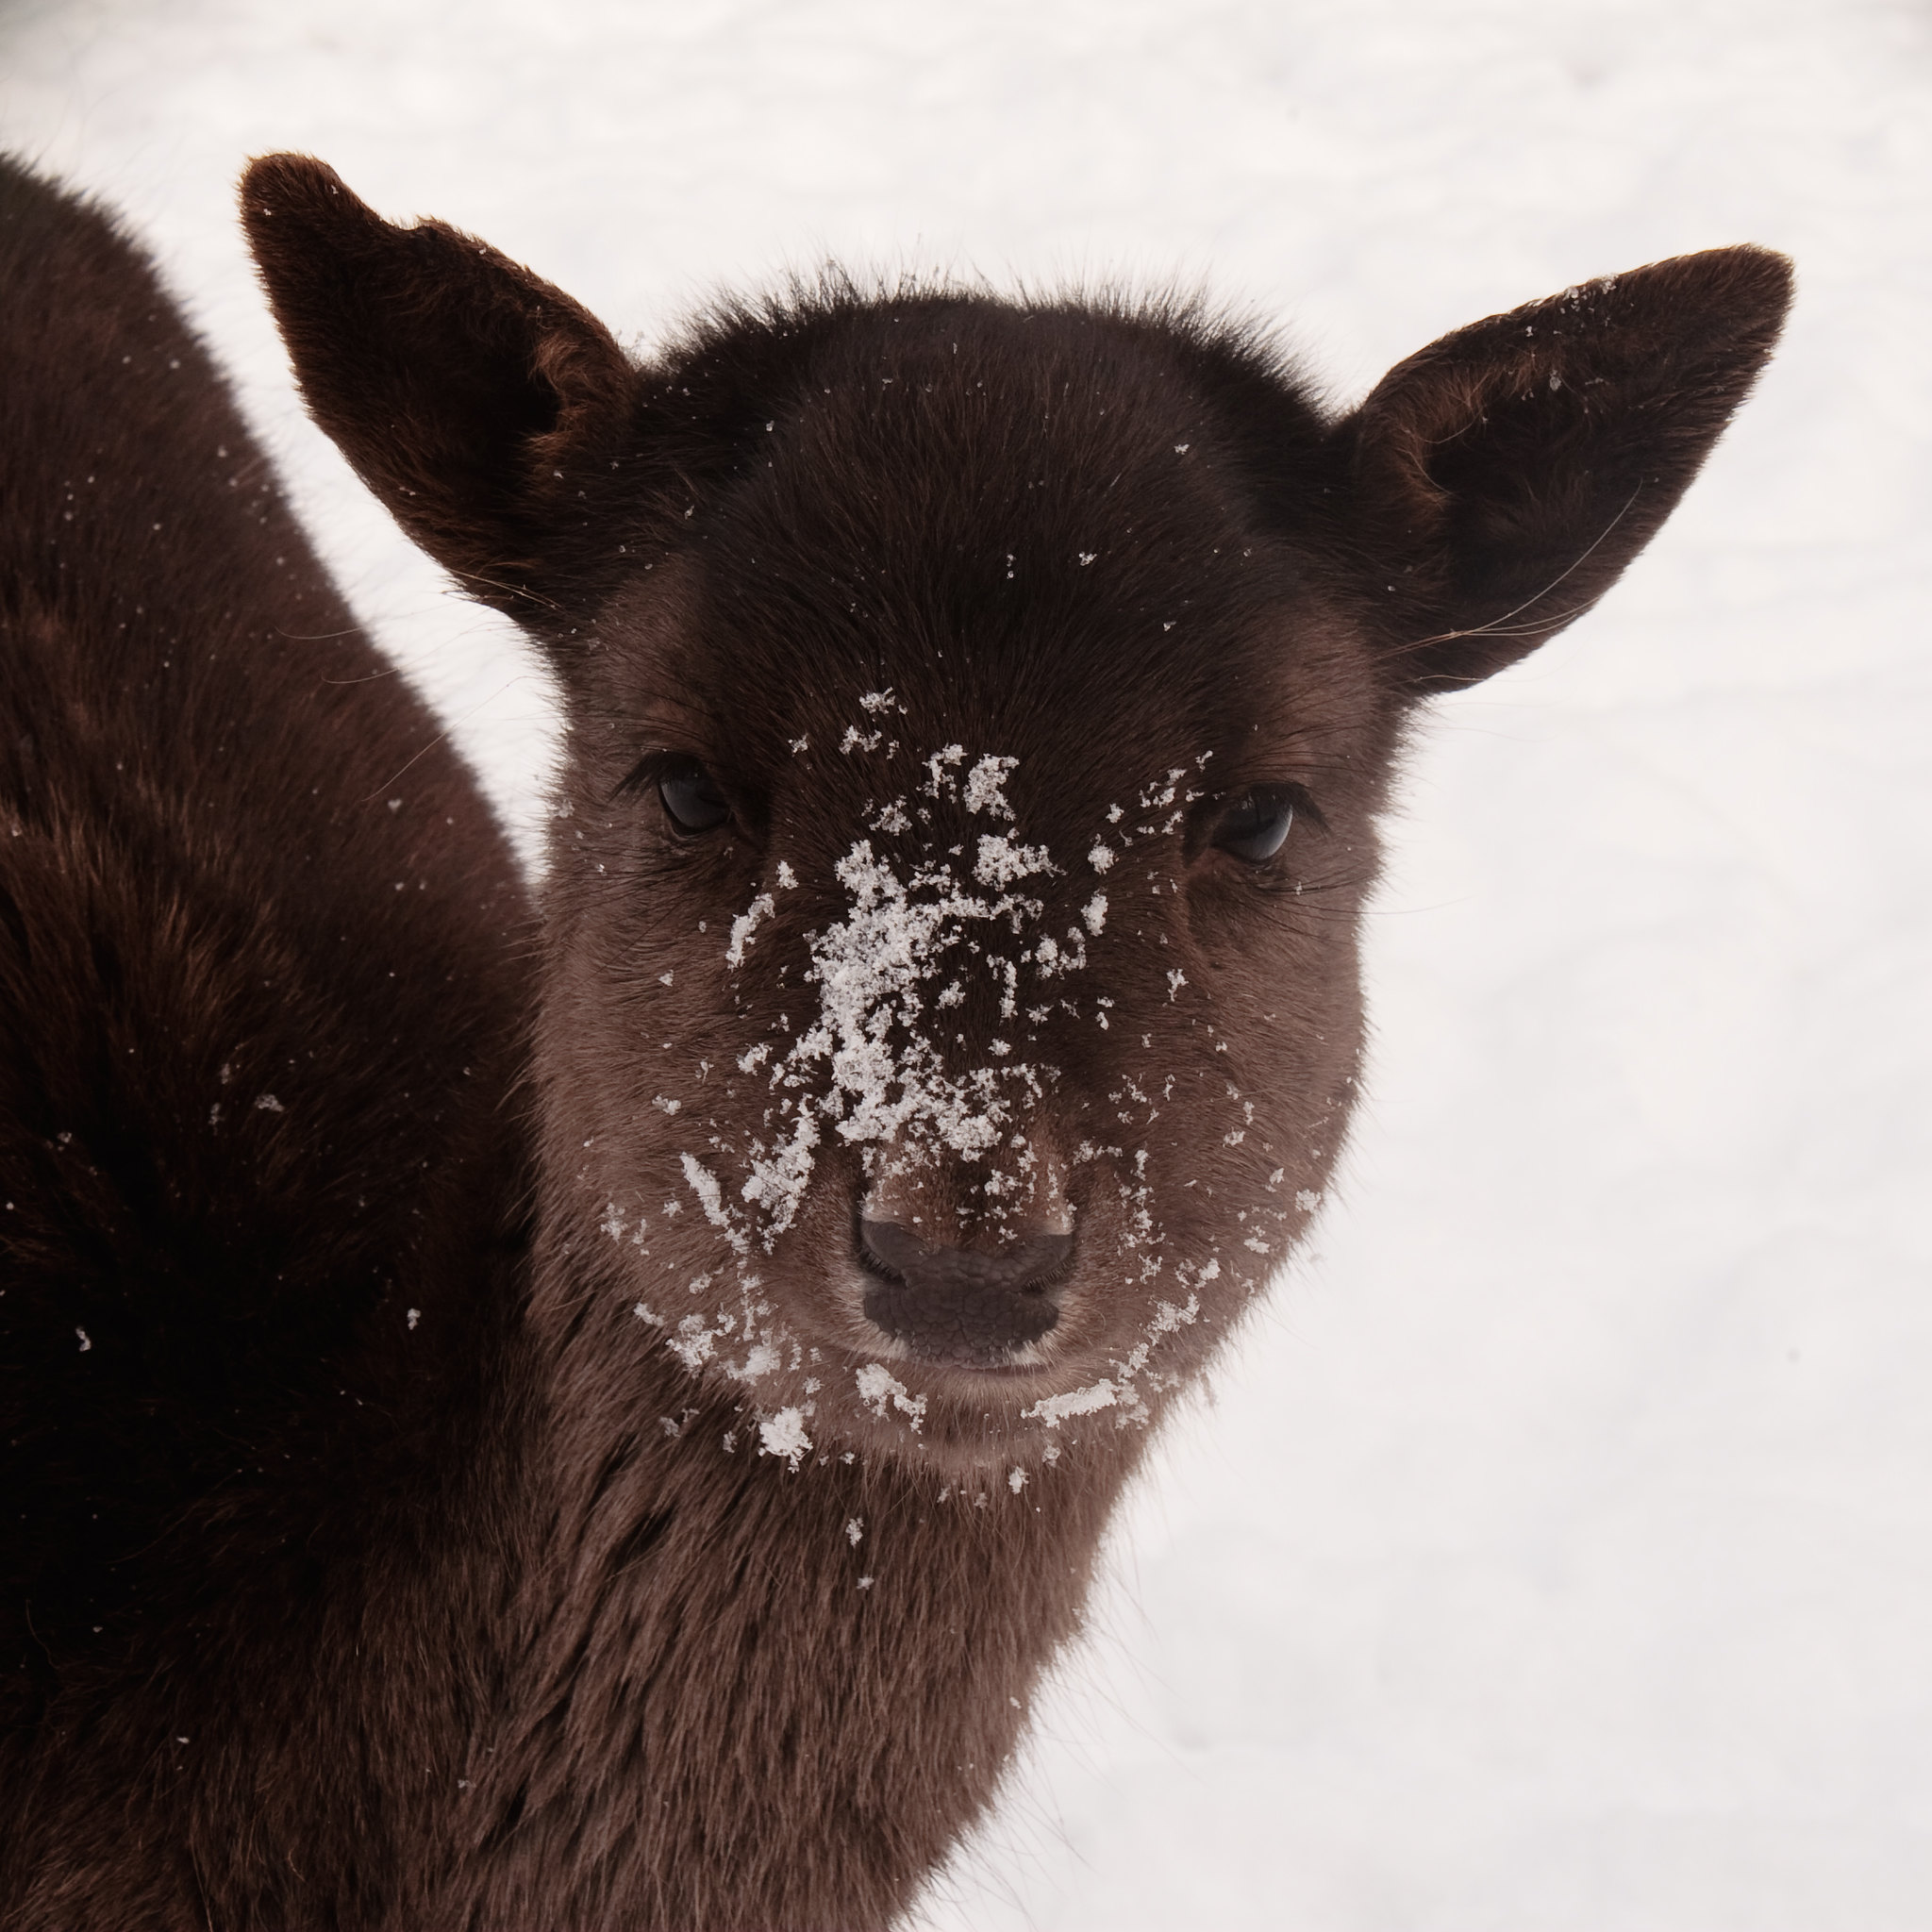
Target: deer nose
[(971, 1306)]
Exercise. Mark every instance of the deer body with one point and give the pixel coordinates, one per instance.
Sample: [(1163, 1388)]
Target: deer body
[(599, 1415)]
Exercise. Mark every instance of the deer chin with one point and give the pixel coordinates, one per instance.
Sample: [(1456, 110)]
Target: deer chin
[(964, 1424), (1087, 1389)]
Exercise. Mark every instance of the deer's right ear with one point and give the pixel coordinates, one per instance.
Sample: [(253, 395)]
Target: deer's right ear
[(483, 407)]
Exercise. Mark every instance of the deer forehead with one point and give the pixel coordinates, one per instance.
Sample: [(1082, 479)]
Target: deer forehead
[(845, 718)]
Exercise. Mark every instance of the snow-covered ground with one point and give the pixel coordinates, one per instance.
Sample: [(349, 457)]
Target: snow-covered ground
[(1559, 1552)]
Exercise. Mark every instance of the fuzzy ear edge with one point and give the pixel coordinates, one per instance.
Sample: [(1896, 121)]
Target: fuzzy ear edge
[(1501, 479), (477, 402)]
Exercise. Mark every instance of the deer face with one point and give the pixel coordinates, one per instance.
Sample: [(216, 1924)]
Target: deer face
[(957, 891), (977, 716)]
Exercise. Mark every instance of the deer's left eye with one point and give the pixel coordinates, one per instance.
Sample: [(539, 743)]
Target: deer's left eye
[(1253, 827)]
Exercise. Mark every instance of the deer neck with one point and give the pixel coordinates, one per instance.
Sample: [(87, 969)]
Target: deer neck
[(739, 1680)]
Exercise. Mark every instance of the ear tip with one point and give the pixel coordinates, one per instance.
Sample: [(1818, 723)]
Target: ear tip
[(1751, 276), (1743, 291), (1762, 260), (298, 183), (1776, 276)]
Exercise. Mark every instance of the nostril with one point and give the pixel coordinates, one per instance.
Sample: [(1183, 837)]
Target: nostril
[(962, 1305), (1020, 1266)]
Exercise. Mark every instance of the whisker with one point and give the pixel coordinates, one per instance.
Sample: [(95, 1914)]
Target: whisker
[(443, 734), (521, 590), (1498, 626)]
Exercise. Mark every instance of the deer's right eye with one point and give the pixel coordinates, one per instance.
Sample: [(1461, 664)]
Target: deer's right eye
[(691, 797), (1255, 828)]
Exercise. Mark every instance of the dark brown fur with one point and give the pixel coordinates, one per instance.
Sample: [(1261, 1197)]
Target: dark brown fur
[(444, 1581)]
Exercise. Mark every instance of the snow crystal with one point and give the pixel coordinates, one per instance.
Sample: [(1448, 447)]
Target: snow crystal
[(854, 1528), (1101, 857), (1016, 1480), (1053, 1409), (779, 1178), (878, 1385), (938, 765), (763, 1360), (784, 1435), (710, 1197), (1000, 861), (1094, 912), (743, 926), (693, 1342), (986, 786)]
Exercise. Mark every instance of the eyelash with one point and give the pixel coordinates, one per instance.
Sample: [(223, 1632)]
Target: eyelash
[(1302, 807), (645, 773)]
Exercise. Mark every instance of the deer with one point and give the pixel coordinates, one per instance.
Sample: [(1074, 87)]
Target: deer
[(593, 1402)]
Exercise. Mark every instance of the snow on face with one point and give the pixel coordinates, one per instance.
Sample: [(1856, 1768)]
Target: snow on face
[(783, 1435), (1118, 1391), (928, 914), (985, 788), (877, 1387), (869, 1067)]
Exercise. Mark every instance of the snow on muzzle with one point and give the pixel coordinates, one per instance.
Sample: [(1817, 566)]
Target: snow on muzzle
[(880, 1065)]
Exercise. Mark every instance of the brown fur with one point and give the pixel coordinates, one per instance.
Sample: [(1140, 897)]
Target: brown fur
[(493, 1516)]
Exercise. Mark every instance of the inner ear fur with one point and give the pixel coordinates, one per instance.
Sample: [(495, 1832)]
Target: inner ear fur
[(1500, 480), (482, 406)]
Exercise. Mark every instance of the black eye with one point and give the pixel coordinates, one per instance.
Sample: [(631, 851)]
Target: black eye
[(691, 798), (1253, 827)]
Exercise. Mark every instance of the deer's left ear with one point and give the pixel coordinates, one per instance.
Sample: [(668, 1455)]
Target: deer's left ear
[(484, 406), (1500, 480)]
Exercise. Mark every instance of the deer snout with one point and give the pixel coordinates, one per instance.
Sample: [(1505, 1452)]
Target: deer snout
[(971, 1306)]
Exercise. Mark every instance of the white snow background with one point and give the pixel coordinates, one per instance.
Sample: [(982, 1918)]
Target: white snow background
[(1558, 1553)]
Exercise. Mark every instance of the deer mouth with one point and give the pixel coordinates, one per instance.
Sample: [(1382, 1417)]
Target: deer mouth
[(961, 1307)]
